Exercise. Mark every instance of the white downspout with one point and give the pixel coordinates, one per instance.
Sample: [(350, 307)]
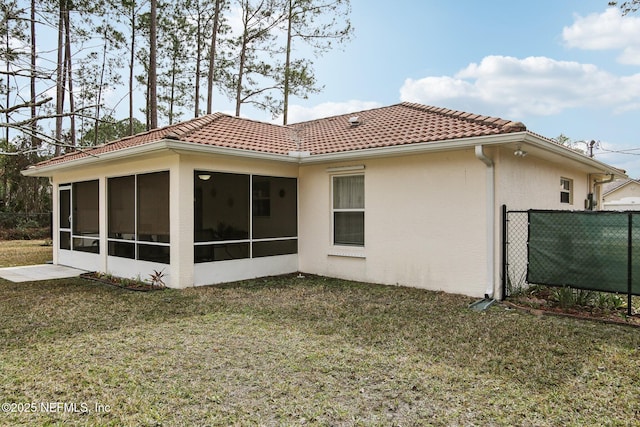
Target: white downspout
[(490, 219)]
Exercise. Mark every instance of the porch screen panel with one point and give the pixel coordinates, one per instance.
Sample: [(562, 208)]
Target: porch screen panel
[(65, 218), (153, 207), (274, 216), (121, 209), (85, 209), (221, 207), (86, 229), (586, 250), (65, 208), (275, 207)]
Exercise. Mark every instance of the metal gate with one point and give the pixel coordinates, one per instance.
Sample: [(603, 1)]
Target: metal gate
[(515, 234)]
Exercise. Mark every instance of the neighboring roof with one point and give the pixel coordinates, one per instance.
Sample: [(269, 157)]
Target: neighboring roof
[(395, 125), (616, 185)]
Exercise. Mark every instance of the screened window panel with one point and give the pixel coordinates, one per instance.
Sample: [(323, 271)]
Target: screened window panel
[(154, 253), (65, 208), (122, 249), (65, 240), (121, 209), (221, 252), (275, 247), (348, 192), (86, 209), (153, 207), (275, 207), (348, 228), (221, 206), (86, 245)]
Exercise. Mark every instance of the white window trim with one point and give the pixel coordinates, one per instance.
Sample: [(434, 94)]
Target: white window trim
[(569, 191), (339, 250)]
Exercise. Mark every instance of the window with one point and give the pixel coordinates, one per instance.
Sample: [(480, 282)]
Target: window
[(244, 216), (138, 217), (566, 190), (348, 210)]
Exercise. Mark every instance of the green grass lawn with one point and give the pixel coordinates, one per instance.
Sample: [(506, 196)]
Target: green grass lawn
[(24, 252), (303, 351)]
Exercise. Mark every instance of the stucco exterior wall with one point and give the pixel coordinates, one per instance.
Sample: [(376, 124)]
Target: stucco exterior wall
[(531, 183), (626, 197), (425, 223)]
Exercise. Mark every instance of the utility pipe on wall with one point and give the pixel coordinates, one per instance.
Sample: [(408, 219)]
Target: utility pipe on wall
[(491, 208)]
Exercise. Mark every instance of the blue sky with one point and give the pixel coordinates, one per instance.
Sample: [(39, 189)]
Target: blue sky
[(567, 67)]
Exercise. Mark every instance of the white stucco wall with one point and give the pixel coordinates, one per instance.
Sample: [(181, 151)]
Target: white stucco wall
[(425, 217), (531, 183), (626, 197), (424, 223)]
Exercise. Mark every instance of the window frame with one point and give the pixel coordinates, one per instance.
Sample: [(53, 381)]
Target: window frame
[(335, 210), (135, 241), (280, 244), (566, 190)]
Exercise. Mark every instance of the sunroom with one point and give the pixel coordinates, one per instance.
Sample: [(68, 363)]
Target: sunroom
[(195, 219)]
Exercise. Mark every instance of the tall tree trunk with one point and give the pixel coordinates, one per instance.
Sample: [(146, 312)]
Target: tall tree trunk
[(60, 78), (212, 56), (243, 56), (32, 77), (196, 106), (173, 87), (67, 31), (131, 64), (104, 63), (5, 181), (153, 78), (287, 67)]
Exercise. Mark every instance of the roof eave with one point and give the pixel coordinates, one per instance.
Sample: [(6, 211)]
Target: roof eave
[(598, 166), (152, 147), (415, 148)]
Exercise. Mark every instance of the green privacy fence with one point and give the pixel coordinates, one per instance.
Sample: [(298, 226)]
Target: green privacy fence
[(590, 250)]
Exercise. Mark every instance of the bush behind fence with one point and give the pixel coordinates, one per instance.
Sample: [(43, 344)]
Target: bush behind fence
[(25, 226)]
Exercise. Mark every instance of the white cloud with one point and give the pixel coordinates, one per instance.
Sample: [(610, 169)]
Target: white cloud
[(298, 113), (606, 31), (513, 87)]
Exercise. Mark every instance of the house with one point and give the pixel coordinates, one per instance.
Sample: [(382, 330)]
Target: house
[(406, 194), (621, 195)]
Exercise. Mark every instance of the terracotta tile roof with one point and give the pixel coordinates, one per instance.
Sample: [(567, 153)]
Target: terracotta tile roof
[(399, 124)]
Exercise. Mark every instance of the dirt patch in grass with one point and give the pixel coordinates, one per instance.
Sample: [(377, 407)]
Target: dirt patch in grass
[(123, 283), (305, 351)]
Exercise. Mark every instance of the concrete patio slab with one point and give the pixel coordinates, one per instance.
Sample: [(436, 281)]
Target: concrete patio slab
[(31, 273)]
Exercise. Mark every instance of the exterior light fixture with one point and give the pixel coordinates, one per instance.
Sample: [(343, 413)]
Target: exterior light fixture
[(519, 152)]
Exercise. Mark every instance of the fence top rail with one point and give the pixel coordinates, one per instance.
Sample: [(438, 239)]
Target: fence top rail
[(559, 211)]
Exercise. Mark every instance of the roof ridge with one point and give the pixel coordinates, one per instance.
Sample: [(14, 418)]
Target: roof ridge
[(351, 113), (492, 121), (190, 126)]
